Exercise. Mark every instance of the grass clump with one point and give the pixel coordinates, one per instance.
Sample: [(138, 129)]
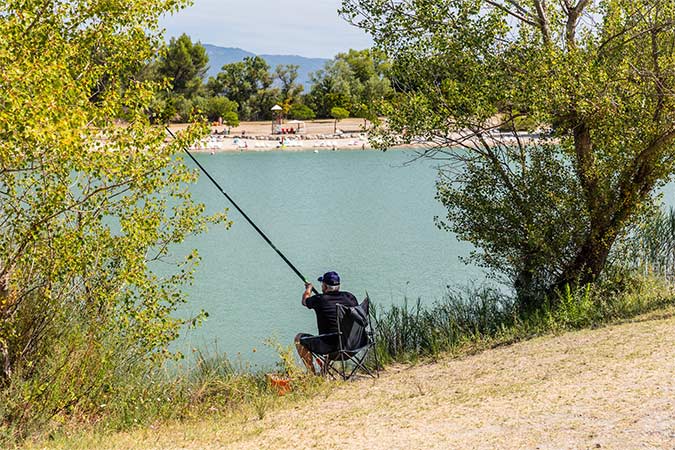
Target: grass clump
[(485, 316), (212, 386)]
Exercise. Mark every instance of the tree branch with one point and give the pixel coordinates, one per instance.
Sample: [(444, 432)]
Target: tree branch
[(520, 15), (544, 25), (573, 15)]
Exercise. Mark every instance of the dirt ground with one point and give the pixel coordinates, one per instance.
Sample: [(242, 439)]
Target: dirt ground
[(611, 388), (314, 135), (311, 127)]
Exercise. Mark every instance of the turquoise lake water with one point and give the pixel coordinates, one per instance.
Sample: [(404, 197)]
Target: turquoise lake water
[(366, 214)]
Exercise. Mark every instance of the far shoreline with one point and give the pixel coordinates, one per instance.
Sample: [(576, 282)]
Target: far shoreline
[(316, 135), (243, 145)]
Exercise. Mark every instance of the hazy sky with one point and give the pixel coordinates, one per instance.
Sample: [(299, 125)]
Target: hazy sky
[(300, 27)]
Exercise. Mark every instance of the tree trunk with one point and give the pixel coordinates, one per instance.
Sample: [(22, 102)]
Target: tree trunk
[(528, 297), (4, 351), (591, 258), (6, 364)]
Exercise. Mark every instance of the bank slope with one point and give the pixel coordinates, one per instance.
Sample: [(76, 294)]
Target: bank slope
[(612, 387)]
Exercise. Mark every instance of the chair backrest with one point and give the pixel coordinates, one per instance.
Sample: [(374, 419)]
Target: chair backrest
[(353, 322)]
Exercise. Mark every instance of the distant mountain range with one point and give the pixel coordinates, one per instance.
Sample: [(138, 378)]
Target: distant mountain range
[(219, 56)]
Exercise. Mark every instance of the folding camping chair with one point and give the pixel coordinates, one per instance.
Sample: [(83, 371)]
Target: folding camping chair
[(355, 339)]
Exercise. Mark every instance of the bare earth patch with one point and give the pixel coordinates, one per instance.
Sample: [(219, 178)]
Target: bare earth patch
[(607, 388)]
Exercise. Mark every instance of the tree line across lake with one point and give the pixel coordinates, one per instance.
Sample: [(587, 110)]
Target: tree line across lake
[(353, 84)]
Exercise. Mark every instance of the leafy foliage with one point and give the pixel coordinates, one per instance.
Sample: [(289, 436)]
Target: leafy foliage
[(248, 83), (180, 68), (218, 107), (338, 114), (88, 206), (355, 81), (597, 75), (301, 112), (287, 74), (185, 64)]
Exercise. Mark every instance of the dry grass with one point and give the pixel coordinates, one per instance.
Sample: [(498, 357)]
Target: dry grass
[(612, 387)]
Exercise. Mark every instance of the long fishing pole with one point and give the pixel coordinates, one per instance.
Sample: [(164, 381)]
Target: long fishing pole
[(231, 200)]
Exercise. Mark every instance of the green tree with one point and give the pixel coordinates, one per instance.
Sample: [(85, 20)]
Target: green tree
[(249, 83), (355, 80), (184, 64), (370, 68), (332, 86), (338, 114), (301, 112), (87, 207), (287, 74), (596, 77), (179, 69), (218, 107)]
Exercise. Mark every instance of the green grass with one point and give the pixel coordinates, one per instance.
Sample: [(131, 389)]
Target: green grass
[(486, 317), (212, 386)]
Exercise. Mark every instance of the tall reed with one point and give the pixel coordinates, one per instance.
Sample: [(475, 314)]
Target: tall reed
[(408, 332), (649, 246), (488, 316)]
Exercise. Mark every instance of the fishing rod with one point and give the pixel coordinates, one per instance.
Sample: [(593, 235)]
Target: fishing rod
[(231, 200)]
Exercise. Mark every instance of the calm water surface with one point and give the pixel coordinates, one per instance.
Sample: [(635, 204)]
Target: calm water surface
[(363, 214)]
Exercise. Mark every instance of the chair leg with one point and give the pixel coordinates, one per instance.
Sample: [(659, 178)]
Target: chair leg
[(359, 364), (325, 366)]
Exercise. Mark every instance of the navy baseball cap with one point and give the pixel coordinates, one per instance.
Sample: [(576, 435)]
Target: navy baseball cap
[(330, 278)]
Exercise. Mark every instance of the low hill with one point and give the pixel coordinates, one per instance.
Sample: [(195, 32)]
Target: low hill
[(612, 387), (219, 56)]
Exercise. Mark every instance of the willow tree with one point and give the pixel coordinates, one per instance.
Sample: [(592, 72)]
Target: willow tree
[(90, 196), (592, 82)]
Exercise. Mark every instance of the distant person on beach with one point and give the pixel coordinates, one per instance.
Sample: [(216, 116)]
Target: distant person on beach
[(325, 307)]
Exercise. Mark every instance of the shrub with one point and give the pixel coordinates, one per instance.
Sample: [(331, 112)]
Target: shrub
[(301, 112)]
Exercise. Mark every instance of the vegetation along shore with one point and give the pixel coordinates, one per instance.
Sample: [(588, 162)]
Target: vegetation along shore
[(553, 128)]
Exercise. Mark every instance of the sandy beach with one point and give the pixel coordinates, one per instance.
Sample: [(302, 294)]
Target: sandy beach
[(350, 134)]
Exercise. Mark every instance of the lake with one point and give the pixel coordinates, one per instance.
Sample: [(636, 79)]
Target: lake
[(365, 214)]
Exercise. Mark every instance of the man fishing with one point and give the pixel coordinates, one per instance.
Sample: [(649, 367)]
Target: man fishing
[(324, 305)]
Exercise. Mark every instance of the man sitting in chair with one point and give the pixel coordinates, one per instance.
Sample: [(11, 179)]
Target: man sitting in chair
[(324, 305)]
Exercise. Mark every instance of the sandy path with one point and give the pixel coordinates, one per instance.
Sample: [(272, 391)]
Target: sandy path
[(607, 388)]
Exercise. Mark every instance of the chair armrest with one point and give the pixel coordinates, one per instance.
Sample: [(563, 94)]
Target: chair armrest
[(318, 336)]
